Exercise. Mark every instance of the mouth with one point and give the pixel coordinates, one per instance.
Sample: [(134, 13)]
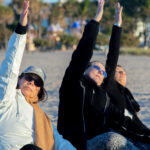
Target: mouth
[(27, 88), (121, 78), (98, 76)]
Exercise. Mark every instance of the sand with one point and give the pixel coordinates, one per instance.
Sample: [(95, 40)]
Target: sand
[(55, 62)]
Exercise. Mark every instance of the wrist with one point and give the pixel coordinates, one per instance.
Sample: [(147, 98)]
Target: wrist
[(97, 18), (21, 29), (117, 24)]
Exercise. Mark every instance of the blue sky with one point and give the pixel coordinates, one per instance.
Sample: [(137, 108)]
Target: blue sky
[(49, 1)]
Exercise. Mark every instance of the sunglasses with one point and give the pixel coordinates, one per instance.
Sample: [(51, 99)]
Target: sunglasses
[(100, 70), (37, 81)]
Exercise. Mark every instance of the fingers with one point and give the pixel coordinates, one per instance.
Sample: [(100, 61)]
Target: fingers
[(24, 14), (100, 3), (121, 8), (118, 8), (99, 12), (25, 7), (118, 14)]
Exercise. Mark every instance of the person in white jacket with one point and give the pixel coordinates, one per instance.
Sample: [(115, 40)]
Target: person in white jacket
[(22, 121)]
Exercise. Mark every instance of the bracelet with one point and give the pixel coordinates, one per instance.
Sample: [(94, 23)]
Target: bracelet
[(117, 24)]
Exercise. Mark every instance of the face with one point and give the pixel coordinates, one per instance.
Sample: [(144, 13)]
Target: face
[(96, 72), (120, 76), (29, 87)]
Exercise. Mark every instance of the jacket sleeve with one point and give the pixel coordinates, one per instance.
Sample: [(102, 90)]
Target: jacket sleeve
[(9, 69), (110, 84), (71, 92), (60, 142), (113, 54), (83, 52)]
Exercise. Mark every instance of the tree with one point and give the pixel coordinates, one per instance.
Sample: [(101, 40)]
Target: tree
[(57, 14), (36, 13), (6, 17), (138, 10)]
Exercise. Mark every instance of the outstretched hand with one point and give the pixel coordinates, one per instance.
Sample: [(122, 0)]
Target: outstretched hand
[(24, 14), (118, 14), (99, 12)]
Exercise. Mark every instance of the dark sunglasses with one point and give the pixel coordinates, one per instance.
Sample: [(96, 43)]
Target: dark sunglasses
[(37, 81), (100, 70)]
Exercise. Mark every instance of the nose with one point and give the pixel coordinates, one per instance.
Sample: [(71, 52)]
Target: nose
[(31, 82), (100, 72)]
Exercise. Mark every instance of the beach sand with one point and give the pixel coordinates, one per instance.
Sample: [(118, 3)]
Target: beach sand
[(55, 62)]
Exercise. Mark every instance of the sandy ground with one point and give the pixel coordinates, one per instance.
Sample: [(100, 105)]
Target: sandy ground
[(54, 63)]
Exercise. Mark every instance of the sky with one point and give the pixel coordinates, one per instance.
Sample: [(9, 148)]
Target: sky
[(49, 1)]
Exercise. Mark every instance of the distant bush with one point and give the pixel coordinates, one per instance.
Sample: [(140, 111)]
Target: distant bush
[(102, 39), (68, 40), (129, 40), (44, 43), (135, 51)]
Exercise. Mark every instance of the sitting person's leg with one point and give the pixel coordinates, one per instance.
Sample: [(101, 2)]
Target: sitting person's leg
[(110, 141), (141, 145), (30, 147)]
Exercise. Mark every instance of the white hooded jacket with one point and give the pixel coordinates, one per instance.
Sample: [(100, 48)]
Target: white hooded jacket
[(16, 115)]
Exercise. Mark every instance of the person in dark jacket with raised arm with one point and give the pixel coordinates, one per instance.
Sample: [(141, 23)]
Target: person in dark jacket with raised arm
[(82, 88), (71, 122), (123, 98)]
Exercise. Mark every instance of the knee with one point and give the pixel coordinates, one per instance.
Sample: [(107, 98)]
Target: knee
[(110, 141)]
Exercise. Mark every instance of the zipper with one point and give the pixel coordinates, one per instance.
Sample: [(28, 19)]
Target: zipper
[(83, 105), (17, 114), (93, 92), (106, 106)]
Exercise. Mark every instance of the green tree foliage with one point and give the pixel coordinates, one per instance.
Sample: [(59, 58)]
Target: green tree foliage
[(68, 40), (6, 14), (138, 10), (57, 15), (38, 11), (102, 39), (72, 10), (6, 17)]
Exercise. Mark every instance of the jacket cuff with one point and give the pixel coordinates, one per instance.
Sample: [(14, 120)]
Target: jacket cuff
[(117, 27), (94, 22), (21, 29)]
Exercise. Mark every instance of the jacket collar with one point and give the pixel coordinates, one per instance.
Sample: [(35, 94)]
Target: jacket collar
[(89, 82)]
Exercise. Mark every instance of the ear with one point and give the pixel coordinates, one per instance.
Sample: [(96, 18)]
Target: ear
[(86, 72)]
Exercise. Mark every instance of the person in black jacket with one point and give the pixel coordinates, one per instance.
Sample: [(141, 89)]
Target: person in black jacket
[(123, 98), (84, 103), (71, 122)]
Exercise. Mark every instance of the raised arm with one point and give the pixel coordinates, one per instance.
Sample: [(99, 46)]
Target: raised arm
[(114, 45), (70, 114), (9, 69), (84, 50)]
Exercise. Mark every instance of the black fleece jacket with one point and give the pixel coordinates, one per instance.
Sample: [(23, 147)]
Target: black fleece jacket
[(78, 118), (124, 99), (70, 115)]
